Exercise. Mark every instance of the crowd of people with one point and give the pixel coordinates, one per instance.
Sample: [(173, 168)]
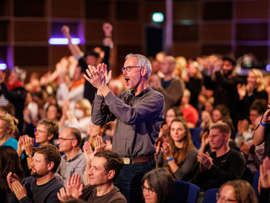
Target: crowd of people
[(79, 135)]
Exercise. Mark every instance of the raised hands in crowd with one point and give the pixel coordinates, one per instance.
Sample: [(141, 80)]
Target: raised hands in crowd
[(15, 186), (73, 189)]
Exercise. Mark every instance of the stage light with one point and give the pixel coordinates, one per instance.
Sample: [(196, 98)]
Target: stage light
[(267, 67), (63, 41), (158, 17), (3, 66)]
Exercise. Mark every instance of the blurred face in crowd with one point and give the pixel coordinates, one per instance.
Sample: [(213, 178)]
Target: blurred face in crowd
[(149, 194), (192, 70), (216, 115), (170, 115), (227, 194), (251, 79), (94, 130), (227, 67), (3, 130), (13, 78), (166, 66), (52, 112), (41, 135), (253, 114), (91, 60), (77, 75)]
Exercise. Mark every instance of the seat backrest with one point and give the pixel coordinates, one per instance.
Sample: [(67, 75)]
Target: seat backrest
[(195, 132), (185, 192), (210, 195), (255, 182)]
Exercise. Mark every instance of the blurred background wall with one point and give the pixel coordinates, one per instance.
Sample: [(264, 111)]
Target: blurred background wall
[(198, 28)]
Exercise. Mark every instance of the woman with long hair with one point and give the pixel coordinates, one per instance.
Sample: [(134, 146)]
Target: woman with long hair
[(179, 155), (9, 162)]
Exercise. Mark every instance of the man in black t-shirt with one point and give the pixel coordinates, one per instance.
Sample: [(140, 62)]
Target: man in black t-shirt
[(223, 164)]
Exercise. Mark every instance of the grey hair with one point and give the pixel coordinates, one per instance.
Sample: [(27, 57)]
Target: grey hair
[(143, 62), (20, 73)]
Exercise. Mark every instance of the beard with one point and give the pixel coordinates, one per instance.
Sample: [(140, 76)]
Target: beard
[(227, 72), (37, 174)]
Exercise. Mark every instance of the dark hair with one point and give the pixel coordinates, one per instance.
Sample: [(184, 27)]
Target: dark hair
[(230, 59), (77, 134), (52, 127), (59, 112), (9, 108), (161, 181), (50, 153), (243, 191), (114, 162), (225, 112), (3, 192), (93, 53), (259, 105), (9, 162)]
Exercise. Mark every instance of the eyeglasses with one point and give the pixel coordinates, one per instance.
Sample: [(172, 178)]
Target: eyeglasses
[(129, 68), (149, 190), (224, 199), (65, 139)]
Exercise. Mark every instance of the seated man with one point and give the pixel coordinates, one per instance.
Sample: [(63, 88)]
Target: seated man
[(105, 168), (223, 164), (73, 161), (41, 186)]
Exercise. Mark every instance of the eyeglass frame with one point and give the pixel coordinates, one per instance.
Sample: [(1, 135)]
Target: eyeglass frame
[(129, 68), (218, 196), (149, 190)]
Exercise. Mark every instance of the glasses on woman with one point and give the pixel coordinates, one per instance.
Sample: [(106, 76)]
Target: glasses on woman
[(224, 199), (148, 190), (129, 68)]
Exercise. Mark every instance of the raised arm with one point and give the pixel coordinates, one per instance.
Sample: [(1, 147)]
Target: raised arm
[(74, 49), (259, 133)]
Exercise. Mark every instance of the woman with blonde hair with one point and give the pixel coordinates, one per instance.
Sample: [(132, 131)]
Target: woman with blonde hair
[(236, 191), (8, 126), (179, 155), (253, 90)]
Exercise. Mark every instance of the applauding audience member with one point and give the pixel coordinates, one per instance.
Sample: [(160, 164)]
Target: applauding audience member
[(105, 168), (41, 186), (9, 162), (179, 155), (223, 164), (73, 161)]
